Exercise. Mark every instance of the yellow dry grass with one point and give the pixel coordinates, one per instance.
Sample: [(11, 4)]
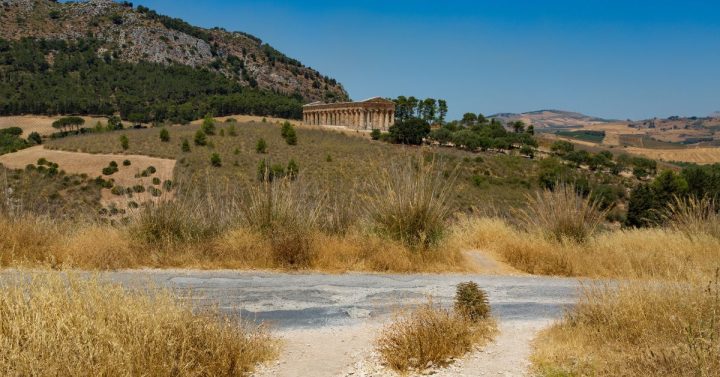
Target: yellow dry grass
[(60, 325), (92, 165), (704, 155), (36, 242), (635, 254), (636, 330), (430, 335)]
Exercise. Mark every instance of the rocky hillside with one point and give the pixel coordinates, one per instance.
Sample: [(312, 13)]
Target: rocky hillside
[(140, 34), (551, 119)]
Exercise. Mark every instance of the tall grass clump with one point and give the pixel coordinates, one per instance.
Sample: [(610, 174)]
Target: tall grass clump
[(409, 202), (693, 216), (58, 325), (430, 335), (562, 214), (471, 301), (283, 211), (636, 329), (201, 210)]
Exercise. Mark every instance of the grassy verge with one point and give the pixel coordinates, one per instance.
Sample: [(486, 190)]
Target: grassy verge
[(53, 325), (636, 330)]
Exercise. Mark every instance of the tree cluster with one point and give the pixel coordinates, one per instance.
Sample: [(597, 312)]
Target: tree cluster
[(649, 201), (477, 132), (430, 110), (81, 82)]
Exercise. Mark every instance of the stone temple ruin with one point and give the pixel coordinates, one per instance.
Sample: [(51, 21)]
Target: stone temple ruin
[(373, 113)]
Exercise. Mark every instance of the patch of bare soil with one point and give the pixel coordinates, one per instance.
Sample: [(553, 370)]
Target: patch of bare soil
[(40, 124), (92, 165), (348, 351)]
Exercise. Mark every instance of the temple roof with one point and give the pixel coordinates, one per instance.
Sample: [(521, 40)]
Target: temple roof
[(369, 100)]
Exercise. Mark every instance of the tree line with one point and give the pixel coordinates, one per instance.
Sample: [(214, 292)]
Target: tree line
[(80, 82)]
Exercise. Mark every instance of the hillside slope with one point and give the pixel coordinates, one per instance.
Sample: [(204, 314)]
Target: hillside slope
[(134, 35), (550, 119)]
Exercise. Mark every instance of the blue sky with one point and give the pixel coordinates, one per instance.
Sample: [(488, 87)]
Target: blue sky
[(615, 59)]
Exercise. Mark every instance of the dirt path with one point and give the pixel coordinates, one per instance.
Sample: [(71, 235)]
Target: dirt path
[(328, 322)]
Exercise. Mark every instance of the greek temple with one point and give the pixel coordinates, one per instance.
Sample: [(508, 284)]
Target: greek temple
[(373, 113)]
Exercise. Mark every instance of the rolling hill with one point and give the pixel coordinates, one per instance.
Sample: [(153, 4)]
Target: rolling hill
[(113, 57), (541, 119)]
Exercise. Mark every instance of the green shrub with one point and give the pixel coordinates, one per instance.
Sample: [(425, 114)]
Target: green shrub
[(35, 138), (232, 131), (261, 146), (292, 169), (156, 181), (139, 189), (168, 185), (185, 146), (164, 135), (154, 191), (151, 169), (118, 190), (127, 163), (286, 129), (291, 137), (124, 142), (42, 161), (113, 164), (471, 301), (200, 138), (375, 134), (208, 125), (215, 160)]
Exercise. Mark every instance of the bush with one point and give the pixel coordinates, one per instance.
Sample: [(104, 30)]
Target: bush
[(34, 138), (200, 138), (113, 164), (168, 185), (291, 137), (155, 192), (108, 170), (215, 160), (410, 203), (471, 301), (375, 134), (287, 217), (127, 163), (139, 189), (74, 320), (563, 214), (286, 129), (156, 181), (208, 125), (118, 190), (151, 169), (164, 135), (232, 131), (42, 161), (261, 146), (292, 169), (124, 142), (429, 335), (185, 146)]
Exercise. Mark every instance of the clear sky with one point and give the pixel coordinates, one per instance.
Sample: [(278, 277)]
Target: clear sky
[(615, 59)]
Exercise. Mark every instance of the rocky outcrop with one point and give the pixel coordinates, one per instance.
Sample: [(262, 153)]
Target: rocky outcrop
[(135, 34)]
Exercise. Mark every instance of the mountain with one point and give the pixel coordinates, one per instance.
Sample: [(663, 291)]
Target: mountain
[(43, 37), (551, 119)]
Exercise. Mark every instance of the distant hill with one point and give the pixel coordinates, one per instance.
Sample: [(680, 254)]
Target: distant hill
[(551, 119), (82, 44)]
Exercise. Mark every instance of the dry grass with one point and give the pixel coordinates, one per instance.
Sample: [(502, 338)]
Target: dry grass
[(562, 214), (60, 325), (693, 216), (663, 254), (430, 335), (636, 330)]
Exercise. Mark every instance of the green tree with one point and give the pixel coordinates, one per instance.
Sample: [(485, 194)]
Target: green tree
[(200, 138), (291, 137), (286, 129), (562, 147), (375, 134), (411, 131), (124, 142), (442, 110), (518, 126), (208, 125), (164, 135), (66, 124), (185, 146)]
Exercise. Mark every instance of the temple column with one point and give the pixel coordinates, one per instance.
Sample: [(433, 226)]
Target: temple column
[(392, 117)]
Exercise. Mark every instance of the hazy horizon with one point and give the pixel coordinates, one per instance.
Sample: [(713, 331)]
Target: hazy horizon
[(601, 58)]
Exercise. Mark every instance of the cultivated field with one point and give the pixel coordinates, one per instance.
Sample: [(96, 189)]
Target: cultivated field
[(41, 124)]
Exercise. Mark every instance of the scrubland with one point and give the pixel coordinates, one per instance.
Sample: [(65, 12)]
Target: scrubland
[(413, 213)]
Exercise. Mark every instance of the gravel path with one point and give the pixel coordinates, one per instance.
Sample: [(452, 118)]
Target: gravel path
[(328, 322)]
